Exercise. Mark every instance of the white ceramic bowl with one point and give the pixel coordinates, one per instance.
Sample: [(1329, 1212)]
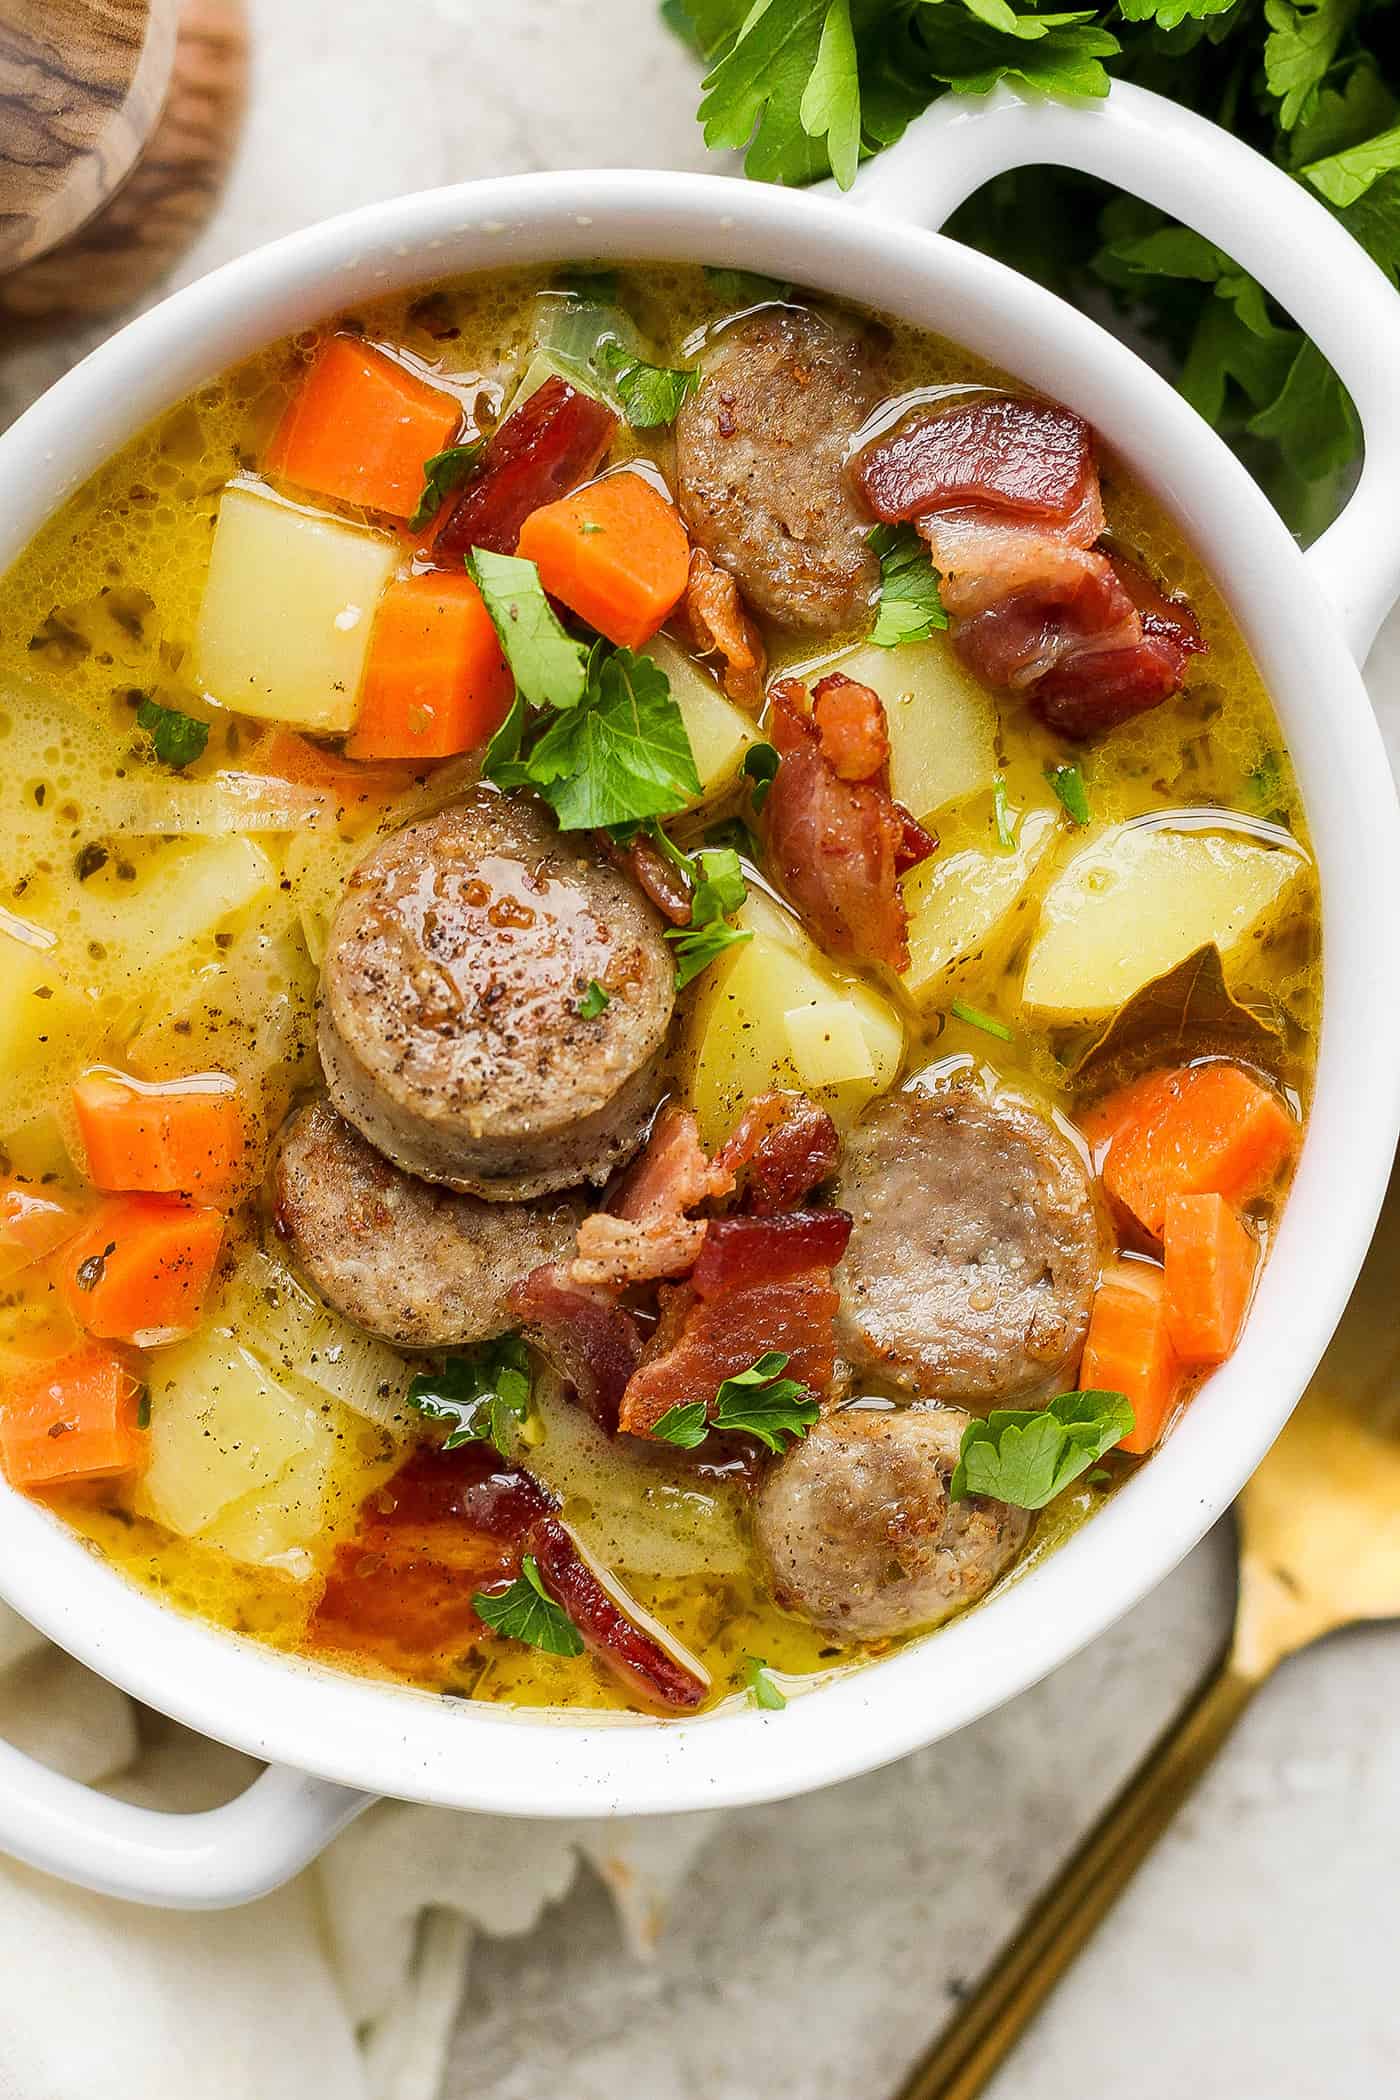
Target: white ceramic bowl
[(333, 1740)]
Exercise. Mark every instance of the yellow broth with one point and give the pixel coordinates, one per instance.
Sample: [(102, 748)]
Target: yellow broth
[(101, 610)]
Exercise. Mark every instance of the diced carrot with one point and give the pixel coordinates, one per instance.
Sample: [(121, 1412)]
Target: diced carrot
[(614, 552), (1209, 1258), (1129, 1349), (361, 427), (184, 1136), (77, 1418), (32, 1223), (1212, 1130), (1102, 1122), (436, 681), (139, 1269)]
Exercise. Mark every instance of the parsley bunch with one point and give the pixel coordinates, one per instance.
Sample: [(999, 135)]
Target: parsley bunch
[(811, 86)]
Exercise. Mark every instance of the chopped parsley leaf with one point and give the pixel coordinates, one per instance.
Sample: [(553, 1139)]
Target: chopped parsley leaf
[(760, 769), (1026, 1457), (719, 889), (594, 1001), (1067, 784), (483, 1393), (526, 1612), (651, 395), (1001, 811), (760, 1686), (442, 473), (550, 668), (910, 608), (758, 1402), (178, 740)]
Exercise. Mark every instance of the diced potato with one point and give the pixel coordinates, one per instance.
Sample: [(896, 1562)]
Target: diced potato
[(738, 1043), (943, 725), (719, 732), (188, 893), (966, 911), (1138, 901), (276, 1524), (222, 1429), (288, 607), (828, 1044)]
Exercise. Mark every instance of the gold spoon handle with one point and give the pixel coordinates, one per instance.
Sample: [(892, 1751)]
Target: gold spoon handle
[(964, 2057)]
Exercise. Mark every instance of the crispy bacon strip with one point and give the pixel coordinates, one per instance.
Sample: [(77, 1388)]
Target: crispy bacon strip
[(447, 1524), (450, 1523), (594, 1343), (650, 1670), (851, 728), (644, 1233), (1007, 453), (543, 449), (655, 875), (713, 620), (835, 847), (761, 1284), (1006, 493), (784, 1146)]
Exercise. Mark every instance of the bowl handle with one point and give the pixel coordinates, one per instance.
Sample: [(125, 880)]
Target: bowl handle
[(207, 1861), (1265, 220)]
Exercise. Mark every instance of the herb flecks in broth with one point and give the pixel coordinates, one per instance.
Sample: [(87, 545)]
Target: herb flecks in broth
[(172, 863)]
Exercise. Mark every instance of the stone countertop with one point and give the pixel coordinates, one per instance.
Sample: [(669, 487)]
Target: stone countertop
[(820, 1942)]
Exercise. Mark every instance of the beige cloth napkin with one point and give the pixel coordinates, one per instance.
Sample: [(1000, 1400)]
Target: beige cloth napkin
[(346, 1984)]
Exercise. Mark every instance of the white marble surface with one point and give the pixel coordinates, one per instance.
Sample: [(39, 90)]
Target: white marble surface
[(823, 1941)]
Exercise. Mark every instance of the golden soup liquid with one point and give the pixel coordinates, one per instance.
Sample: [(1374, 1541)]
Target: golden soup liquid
[(169, 953)]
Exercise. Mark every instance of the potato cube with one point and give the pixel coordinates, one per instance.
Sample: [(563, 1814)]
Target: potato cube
[(966, 911), (287, 611), (1137, 901), (739, 1041), (222, 1428), (720, 733), (827, 1043), (943, 725)]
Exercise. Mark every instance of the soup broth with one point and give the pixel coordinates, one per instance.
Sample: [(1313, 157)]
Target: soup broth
[(168, 896)]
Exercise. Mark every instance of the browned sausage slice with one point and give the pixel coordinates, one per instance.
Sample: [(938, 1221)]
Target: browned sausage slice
[(858, 1532), (416, 1264), (761, 466), (975, 1248), (449, 1023)]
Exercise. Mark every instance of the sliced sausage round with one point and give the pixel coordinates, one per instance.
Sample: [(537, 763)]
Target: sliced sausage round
[(761, 466), (449, 1023), (974, 1252), (858, 1532), (416, 1264)]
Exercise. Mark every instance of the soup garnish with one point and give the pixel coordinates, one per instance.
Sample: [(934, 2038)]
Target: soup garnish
[(660, 977)]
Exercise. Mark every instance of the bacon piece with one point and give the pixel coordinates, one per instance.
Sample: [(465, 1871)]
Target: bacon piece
[(914, 843), (650, 1670), (851, 728), (593, 1342), (742, 1251), (754, 1295), (657, 877), (543, 449), (644, 1233), (713, 620), (673, 1173), (784, 1145), (446, 1525), (1001, 451), (835, 848), (1118, 675)]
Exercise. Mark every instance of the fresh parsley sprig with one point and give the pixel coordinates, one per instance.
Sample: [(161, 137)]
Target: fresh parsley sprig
[(1028, 1456), (758, 1402), (976, 1018), (550, 668), (719, 890), (651, 395), (526, 1612), (177, 739), (760, 769), (596, 1000), (808, 87), (484, 1394), (910, 608)]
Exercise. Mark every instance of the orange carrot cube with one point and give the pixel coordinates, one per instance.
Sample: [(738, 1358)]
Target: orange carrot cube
[(75, 1419), (1209, 1259), (1129, 1350), (139, 1270), (615, 552), (361, 427), (1213, 1130), (437, 681)]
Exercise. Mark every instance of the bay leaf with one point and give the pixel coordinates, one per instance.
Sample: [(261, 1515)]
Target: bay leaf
[(1187, 1013)]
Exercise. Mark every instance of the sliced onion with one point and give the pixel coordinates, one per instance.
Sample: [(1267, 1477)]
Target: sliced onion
[(230, 802)]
